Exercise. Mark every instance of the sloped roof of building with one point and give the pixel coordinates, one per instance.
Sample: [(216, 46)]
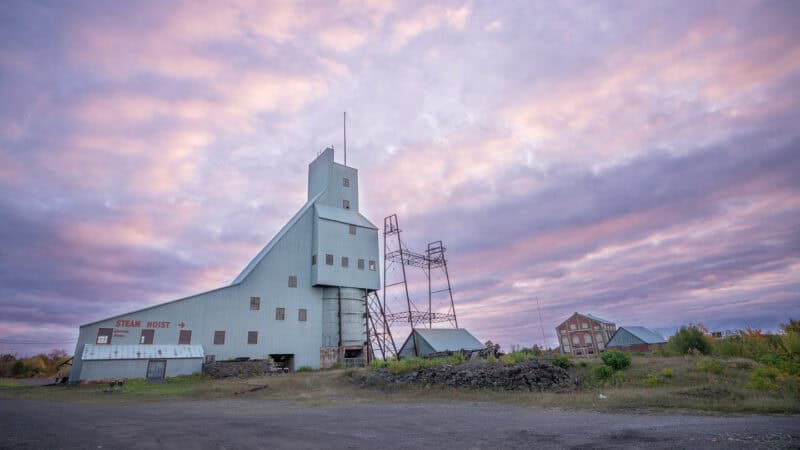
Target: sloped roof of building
[(343, 215), (599, 319), (105, 352), (448, 339), (254, 262), (627, 336)]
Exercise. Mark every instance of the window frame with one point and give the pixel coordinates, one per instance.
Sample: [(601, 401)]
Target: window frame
[(361, 264), (345, 262), (255, 303), (144, 336), (346, 204), (292, 281), (352, 229), (373, 266), (181, 335), (219, 337), (314, 259), (252, 338), (302, 315), (345, 182), (105, 332), (328, 259), (280, 313)]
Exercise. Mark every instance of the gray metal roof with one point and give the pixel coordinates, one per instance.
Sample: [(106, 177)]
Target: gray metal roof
[(599, 319), (105, 352), (449, 339), (343, 215), (627, 336)]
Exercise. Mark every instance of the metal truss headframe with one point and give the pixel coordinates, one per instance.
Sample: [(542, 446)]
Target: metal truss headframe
[(397, 255)]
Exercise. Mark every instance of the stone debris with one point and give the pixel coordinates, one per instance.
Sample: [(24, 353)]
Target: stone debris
[(531, 375), (242, 369)]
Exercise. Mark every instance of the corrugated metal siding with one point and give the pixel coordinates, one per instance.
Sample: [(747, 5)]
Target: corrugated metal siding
[(136, 368), (106, 352)]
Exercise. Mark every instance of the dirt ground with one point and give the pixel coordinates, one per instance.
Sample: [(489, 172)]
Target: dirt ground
[(250, 423)]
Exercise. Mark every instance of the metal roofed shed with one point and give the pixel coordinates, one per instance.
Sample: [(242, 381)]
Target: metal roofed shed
[(637, 339), (101, 362), (424, 341)]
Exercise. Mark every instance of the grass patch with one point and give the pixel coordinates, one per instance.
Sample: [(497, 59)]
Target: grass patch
[(687, 389)]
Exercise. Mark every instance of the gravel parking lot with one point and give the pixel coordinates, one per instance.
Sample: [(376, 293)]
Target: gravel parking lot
[(223, 424)]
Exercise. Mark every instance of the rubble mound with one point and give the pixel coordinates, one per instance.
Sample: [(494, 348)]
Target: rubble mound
[(531, 375), (241, 369)]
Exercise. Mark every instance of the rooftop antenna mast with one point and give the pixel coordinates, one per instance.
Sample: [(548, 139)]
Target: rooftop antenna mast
[(345, 137)]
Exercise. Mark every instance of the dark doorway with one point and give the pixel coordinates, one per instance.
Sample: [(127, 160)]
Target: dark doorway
[(284, 360), (156, 370)]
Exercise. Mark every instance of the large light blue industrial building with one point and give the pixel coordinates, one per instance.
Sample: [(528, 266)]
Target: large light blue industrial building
[(301, 300)]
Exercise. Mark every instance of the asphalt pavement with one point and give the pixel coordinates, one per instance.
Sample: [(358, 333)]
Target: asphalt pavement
[(236, 424)]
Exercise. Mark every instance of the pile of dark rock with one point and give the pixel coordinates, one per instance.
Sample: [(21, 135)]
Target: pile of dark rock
[(241, 369), (530, 375)]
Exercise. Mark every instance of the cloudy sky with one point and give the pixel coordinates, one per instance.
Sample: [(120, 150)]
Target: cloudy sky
[(639, 161)]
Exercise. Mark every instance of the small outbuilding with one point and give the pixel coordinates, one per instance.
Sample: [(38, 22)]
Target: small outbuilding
[(636, 339), (154, 362), (424, 341)]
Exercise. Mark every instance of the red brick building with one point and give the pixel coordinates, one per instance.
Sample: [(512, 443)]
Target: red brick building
[(584, 334)]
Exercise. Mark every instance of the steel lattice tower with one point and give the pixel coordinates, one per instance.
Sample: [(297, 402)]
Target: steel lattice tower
[(398, 258)]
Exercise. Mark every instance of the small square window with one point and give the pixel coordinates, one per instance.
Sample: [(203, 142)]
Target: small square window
[(346, 204), (313, 260), (280, 313), (346, 182), (329, 259), (185, 337), (302, 315), (360, 264), (219, 338), (372, 265), (584, 325), (252, 337), (104, 336), (255, 303), (352, 229), (345, 261), (146, 338), (293, 281)]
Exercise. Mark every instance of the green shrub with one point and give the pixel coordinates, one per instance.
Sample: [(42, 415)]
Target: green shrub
[(564, 361), (689, 340), (651, 380), (616, 359), (512, 358), (710, 366), (729, 346), (491, 359), (765, 379), (666, 372), (602, 373), (781, 362), (618, 378), (584, 364), (305, 369)]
